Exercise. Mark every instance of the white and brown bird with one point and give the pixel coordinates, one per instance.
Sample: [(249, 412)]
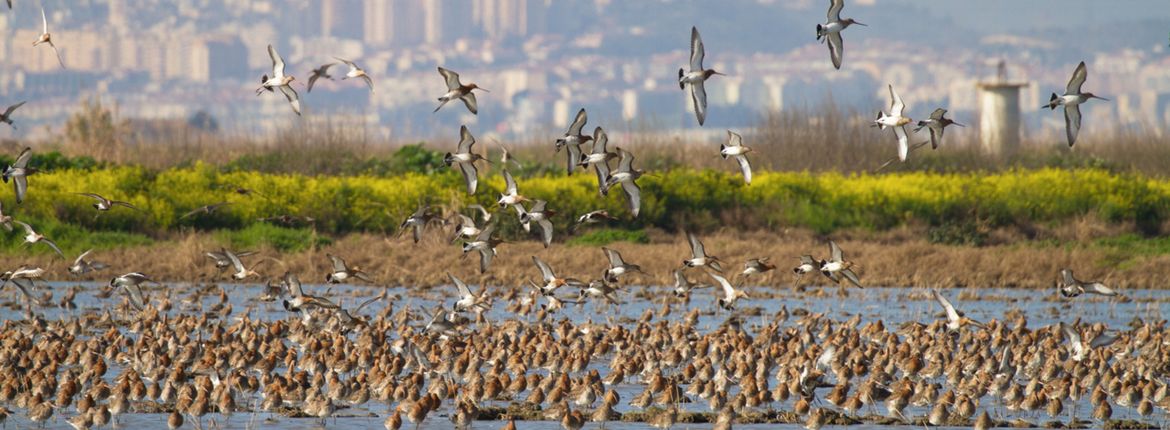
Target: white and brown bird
[(697, 76), (465, 159), (131, 284), (573, 139), (734, 148), (1071, 100), (82, 266), (6, 116), (356, 73), (456, 90), (896, 120), (936, 124), (699, 256), (280, 81), (18, 171), (31, 237), (626, 175), (103, 204), (1069, 286), (831, 31), (46, 37)]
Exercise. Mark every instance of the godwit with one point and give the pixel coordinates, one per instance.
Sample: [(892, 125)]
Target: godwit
[(730, 293), (280, 81), (131, 284), (318, 73), (6, 117), (417, 221), (592, 217), (699, 256), (540, 215), (512, 197), (696, 76), (342, 271), (465, 159), (897, 121), (551, 280), (469, 300), (356, 72), (1072, 99), (103, 204), (465, 228), (757, 266), (807, 265), (734, 148), (31, 237), (298, 299), (456, 90), (617, 265), (837, 266), (485, 244), (241, 271), (937, 123), (19, 172), (82, 266), (222, 261), (954, 320), (45, 37), (1070, 286), (626, 175), (205, 209), (831, 31), (573, 139), (599, 158)]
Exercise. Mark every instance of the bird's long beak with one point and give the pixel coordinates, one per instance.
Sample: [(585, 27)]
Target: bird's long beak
[(719, 73), (1102, 98), (858, 23), (960, 125), (482, 88)]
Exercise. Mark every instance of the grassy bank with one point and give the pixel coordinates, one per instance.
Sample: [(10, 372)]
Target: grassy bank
[(958, 207)]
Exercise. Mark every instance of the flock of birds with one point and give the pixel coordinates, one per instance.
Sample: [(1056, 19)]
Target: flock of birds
[(189, 364)]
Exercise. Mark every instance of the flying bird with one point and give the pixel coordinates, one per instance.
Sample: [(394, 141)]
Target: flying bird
[(599, 158), (82, 266), (205, 209), (898, 122), (342, 271), (539, 214), (6, 117), (31, 237), (734, 148), (280, 81), (18, 171), (573, 139), (456, 90), (699, 256), (45, 36), (937, 123), (831, 31), (356, 72), (696, 76), (103, 204), (465, 159), (625, 175), (837, 266), (131, 283), (318, 73), (485, 244), (1071, 100), (1069, 286)]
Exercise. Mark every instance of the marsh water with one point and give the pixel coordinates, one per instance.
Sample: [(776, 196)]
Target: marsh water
[(891, 305)]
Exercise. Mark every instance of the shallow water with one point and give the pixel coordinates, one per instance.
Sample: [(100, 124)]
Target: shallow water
[(891, 305)]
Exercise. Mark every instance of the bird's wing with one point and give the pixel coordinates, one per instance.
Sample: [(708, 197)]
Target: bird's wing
[(1077, 80), (806, 259), (573, 157), (538, 206), (25, 286), (852, 277), (93, 196), (578, 123), (58, 54), (1072, 122), (320, 302), (451, 78), (338, 263), (1068, 277), (952, 315), (699, 97), (486, 234), (13, 108), (734, 139), (312, 80), (459, 285), (293, 98), (135, 292), (466, 140), (936, 134), (835, 7), (903, 142), (1074, 340), (469, 101), (509, 183), (600, 140), (22, 159), (370, 82), (545, 271), (294, 284), (938, 114), (351, 64), (728, 290), (53, 245), (546, 231), (44, 20), (602, 170), (485, 259), (369, 301), (697, 249), (277, 63), (680, 279), (21, 184), (615, 259), (697, 51), (745, 167), (626, 164), (896, 104), (836, 48), (471, 176), (835, 253), (82, 257), (235, 259), (121, 203), (27, 228), (1099, 288)]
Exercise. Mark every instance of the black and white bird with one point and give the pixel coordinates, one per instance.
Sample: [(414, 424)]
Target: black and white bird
[(697, 76), (1071, 100)]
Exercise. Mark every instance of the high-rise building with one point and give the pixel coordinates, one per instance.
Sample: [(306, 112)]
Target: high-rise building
[(378, 22)]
